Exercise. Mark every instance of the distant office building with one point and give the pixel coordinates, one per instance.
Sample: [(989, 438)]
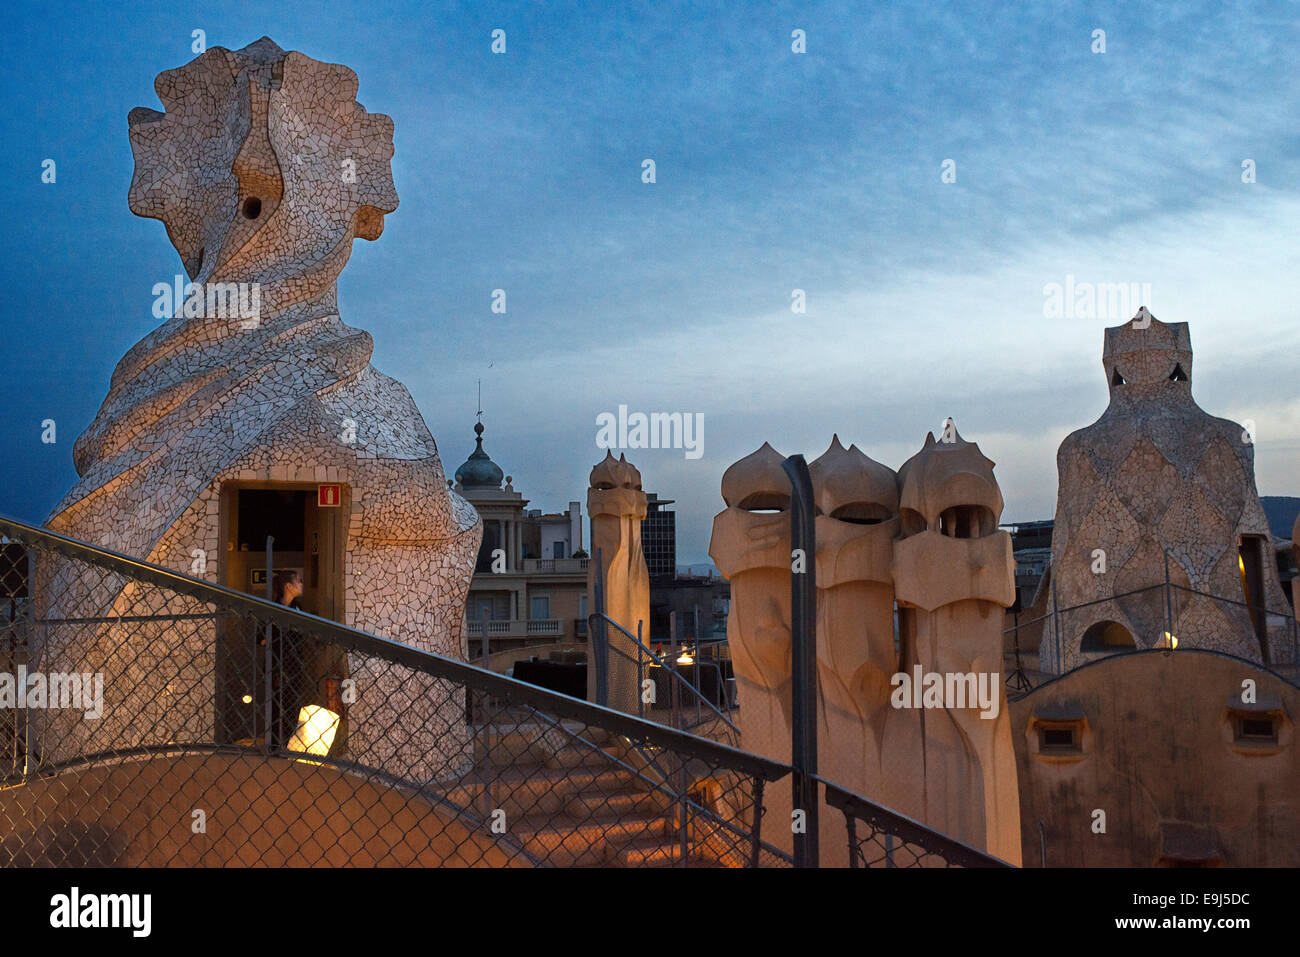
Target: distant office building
[(659, 537), (1031, 544), (700, 602)]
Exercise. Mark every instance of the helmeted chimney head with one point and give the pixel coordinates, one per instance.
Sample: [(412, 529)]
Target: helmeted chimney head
[(1147, 357)]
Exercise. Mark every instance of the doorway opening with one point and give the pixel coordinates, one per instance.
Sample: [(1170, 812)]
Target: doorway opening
[(1250, 562), (267, 676)]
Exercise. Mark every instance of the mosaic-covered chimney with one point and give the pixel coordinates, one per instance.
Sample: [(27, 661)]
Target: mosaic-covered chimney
[(232, 415), (1157, 487)]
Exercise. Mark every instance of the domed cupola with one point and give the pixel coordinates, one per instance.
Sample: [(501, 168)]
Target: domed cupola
[(479, 471)]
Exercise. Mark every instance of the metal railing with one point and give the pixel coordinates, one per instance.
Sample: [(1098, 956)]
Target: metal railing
[(229, 730), (1191, 618), (663, 693), (213, 728), (879, 837)]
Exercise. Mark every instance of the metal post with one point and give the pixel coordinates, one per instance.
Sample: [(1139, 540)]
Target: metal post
[(640, 671), (756, 840), (599, 639), (685, 812), (803, 658), (1169, 615), (266, 680), (1056, 629), (674, 694), (694, 641), (33, 649), (671, 664)]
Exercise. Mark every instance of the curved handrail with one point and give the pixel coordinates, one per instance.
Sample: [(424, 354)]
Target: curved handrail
[(397, 653), (1270, 667), (912, 831), (655, 658), (1108, 659)]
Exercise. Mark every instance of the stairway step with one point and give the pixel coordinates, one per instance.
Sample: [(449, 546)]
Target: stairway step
[(663, 853), (594, 805), (540, 744), (580, 756), (523, 790), (568, 845)]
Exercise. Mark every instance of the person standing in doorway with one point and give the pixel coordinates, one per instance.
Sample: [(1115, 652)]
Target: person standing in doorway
[(288, 675)]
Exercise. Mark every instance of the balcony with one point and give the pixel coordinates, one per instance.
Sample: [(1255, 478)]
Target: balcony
[(555, 566), (549, 628)]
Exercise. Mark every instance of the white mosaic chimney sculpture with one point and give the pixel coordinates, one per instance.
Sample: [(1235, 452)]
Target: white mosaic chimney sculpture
[(1156, 475), (264, 169)]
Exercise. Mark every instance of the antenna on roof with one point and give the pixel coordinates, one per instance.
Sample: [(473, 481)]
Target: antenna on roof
[(480, 400)]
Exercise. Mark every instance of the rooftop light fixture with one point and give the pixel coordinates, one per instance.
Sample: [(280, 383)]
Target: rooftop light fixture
[(316, 729)]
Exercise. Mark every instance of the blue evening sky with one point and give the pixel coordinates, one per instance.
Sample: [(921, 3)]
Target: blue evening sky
[(775, 171)]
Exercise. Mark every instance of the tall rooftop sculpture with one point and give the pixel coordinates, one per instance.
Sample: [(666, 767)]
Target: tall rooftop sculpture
[(1157, 476), (922, 544), (264, 169)]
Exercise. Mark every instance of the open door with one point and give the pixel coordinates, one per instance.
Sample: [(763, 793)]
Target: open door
[(268, 678)]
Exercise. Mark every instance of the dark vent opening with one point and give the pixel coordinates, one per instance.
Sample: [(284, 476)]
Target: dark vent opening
[(1258, 728), (1116, 378), (252, 207), (1178, 375)]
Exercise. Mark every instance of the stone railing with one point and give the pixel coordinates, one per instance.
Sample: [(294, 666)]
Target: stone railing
[(555, 566), (519, 628)]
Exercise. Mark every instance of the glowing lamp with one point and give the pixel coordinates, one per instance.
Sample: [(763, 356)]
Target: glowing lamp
[(316, 729), (685, 657), (1169, 641)]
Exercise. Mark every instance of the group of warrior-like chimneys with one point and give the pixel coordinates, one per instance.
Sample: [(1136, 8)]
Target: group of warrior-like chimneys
[(924, 541)]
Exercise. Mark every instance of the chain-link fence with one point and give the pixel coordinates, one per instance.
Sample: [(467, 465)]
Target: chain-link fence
[(148, 718), (878, 837), (1166, 616), (693, 691), (153, 719)]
